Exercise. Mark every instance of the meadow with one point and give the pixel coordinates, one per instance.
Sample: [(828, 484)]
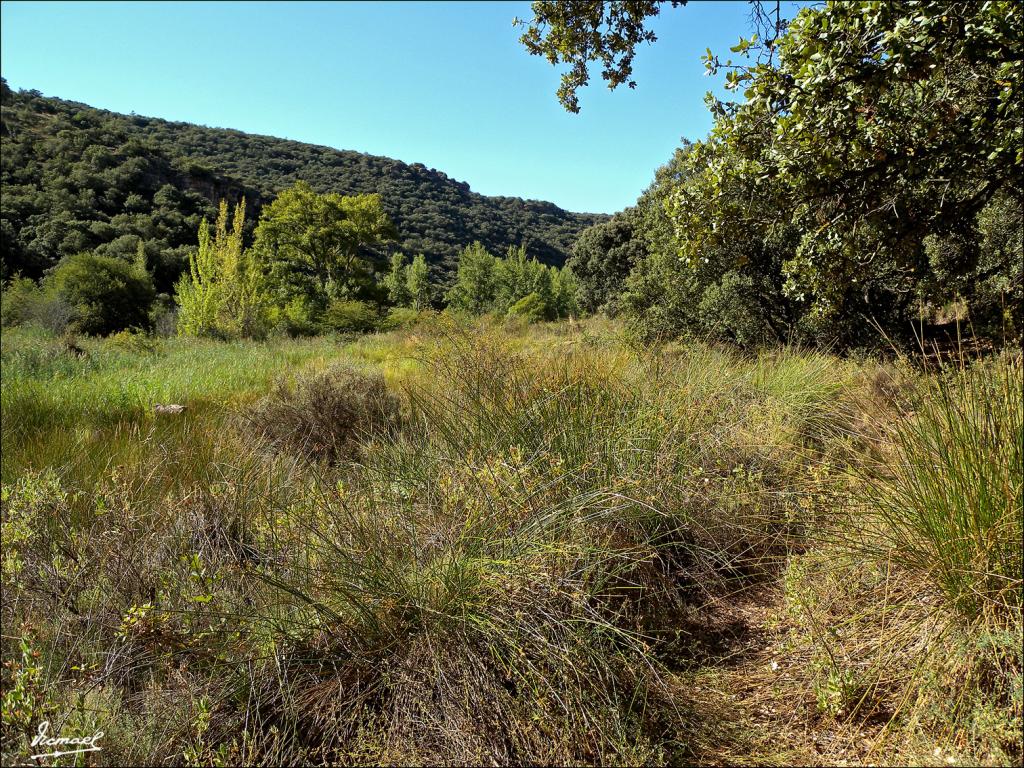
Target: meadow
[(486, 542)]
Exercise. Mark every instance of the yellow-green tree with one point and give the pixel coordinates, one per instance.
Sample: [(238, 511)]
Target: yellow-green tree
[(222, 295), (417, 283)]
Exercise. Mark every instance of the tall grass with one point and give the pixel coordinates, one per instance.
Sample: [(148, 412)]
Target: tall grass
[(912, 604), (950, 505), (506, 564), (500, 581)]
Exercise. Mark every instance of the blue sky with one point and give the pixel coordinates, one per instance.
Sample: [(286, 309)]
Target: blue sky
[(444, 84)]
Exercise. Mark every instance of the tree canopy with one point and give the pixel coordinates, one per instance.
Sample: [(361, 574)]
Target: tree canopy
[(514, 285), (578, 32), (322, 246), (862, 177)]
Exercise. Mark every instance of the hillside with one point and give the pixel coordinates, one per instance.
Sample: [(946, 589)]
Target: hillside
[(78, 178)]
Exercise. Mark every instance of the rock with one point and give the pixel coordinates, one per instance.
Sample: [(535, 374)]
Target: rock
[(172, 409)]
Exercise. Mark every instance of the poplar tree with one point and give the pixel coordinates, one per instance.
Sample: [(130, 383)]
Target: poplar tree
[(417, 281), (222, 295), (396, 281)]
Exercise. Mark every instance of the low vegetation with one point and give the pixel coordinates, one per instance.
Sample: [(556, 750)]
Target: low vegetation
[(483, 542)]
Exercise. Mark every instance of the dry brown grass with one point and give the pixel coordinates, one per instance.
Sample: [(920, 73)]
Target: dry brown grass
[(325, 415)]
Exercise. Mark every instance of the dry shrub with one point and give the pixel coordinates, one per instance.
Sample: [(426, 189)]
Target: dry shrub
[(325, 416)]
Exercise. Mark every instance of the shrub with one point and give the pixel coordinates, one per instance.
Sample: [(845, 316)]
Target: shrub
[(105, 294), (400, 317), (20, 299), (25, 301), (602, 258), (325, 416), (742, 309), (350, 316), (294, 319), (164, 316), (134, 342), (531, 307)]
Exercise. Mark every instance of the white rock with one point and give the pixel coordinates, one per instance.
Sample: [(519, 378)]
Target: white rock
[(169, 408)]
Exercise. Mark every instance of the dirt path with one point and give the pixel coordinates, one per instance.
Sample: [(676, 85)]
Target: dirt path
[(748, 701)]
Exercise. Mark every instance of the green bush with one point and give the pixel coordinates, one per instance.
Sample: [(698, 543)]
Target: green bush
[(105, 294), (164, 316), (20, 299), (740, 309), (294, 320), (400, 317), (25, 301), (531, 307), (350, 316)]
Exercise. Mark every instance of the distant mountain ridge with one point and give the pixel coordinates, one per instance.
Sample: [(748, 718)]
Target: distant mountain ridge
[(79, 178)]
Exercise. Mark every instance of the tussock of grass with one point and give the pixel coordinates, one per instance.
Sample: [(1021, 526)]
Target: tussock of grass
[(912, 610), (951, 501), (325, 415)]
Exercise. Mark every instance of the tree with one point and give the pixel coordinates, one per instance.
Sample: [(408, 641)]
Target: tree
[(888, 121), (540, 280), (396, 281), (105, 294), (566, 292), (717, 272), (513, 278), (223, 292), (578, 32), (321, 246), (417, 281), (868, 138), (602, 259), (474, 289)]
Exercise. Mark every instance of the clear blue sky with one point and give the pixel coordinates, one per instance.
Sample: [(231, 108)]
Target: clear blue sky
[(444, 84)]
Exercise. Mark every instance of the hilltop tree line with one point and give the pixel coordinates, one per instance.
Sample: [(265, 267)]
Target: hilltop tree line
[(81, 179), (865, 181)]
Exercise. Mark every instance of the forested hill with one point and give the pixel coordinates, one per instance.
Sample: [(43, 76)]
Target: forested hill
[(77, 178)]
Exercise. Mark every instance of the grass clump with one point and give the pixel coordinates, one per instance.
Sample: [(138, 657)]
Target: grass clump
[(911, 609), (325, 415), (950, 504)]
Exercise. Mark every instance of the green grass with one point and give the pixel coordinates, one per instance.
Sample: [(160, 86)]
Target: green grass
[(951, 503), (58, 407)]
